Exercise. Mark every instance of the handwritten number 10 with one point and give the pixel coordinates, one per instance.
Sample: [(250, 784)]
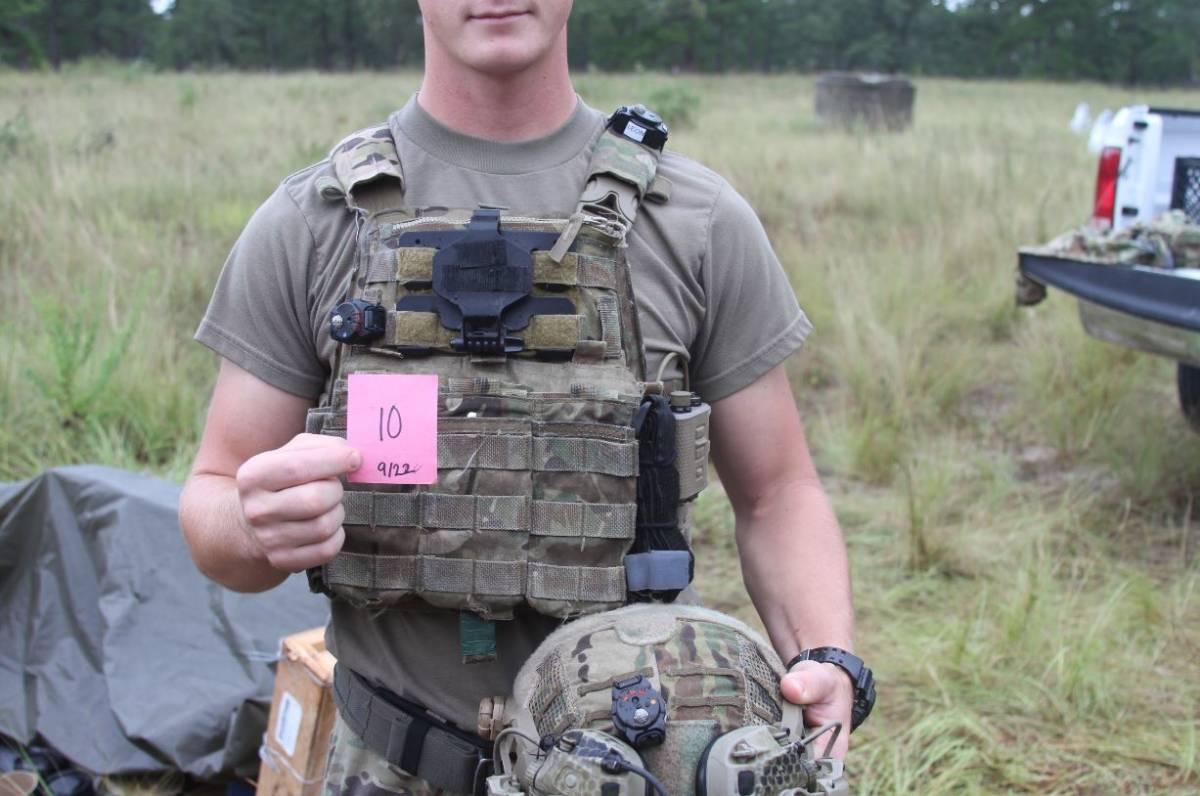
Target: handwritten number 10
[(391, 424)]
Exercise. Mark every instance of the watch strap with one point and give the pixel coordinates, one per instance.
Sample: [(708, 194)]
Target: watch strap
[(860, 675)]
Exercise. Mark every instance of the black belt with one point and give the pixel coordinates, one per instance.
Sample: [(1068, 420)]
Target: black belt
[(410, 737)]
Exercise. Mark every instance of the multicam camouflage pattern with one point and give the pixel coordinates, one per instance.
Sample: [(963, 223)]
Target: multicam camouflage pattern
[(572, 767), (537, 457), (774, 764), (366, 156), (1168, 241), (634, 167), (714, 673), (355, 770)]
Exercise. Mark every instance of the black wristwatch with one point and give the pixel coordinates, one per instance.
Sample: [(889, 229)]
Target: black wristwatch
[(860, 676)]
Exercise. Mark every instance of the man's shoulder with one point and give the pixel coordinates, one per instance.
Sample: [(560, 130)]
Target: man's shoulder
[(300, 195), (700, 197), (690, 176), (303, 187)]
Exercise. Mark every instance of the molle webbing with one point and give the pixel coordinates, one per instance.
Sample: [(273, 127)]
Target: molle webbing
[(429, 575), (430, 510)]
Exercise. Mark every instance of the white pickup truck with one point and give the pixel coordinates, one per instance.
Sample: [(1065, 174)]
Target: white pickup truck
[(1135, 268)]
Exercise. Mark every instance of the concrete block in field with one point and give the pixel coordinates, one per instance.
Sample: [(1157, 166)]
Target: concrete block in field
[(873, 101)]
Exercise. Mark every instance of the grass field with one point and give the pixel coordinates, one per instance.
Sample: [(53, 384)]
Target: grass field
[(1018, 500)]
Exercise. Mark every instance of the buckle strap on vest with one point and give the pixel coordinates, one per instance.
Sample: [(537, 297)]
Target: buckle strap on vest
[(620, 175), (411, 737)]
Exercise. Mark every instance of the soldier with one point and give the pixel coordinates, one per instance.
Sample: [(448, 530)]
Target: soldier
[(497, 123)]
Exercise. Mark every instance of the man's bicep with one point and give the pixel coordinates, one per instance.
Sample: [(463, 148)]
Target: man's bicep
[(758, 440), (246, 417)]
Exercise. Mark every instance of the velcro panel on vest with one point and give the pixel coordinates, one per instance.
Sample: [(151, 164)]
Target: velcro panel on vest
[(414, 264), (575, 269), (405, 265), (576, 584), (553, 331), (425, 330)]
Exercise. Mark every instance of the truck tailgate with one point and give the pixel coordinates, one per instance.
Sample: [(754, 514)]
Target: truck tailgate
[(1170, 297)]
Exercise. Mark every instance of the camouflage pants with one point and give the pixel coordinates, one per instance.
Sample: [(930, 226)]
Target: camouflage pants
[(355, 770)]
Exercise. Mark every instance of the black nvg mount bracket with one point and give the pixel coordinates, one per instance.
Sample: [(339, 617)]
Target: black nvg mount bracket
[(482, 281)]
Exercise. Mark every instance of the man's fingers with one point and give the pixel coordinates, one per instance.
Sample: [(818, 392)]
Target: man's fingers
[(279, 469), (301, 558), (811, 683), (293, 504), (291, 535), (306, 440), (826, 694)]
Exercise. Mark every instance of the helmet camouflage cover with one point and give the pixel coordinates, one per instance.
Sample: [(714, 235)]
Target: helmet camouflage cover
[(714, 674)]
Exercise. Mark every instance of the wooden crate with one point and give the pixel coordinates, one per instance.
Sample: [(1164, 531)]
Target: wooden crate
[(296, 745)]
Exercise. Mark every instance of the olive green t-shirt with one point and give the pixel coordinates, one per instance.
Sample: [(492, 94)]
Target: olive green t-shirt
[(708, 287)]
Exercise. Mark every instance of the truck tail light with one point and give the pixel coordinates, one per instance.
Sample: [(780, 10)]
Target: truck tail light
[(1106, 187)]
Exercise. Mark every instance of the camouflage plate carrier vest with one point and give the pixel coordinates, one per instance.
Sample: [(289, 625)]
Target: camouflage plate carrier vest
[(535, 499)]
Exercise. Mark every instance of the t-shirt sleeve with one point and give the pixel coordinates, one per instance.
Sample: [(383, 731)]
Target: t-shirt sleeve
[(752, 321), (258, 316)]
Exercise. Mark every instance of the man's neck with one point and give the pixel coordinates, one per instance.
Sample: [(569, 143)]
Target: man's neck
[(513, 107)]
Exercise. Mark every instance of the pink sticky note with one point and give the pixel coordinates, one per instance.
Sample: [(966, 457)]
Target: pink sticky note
[(392, 420)]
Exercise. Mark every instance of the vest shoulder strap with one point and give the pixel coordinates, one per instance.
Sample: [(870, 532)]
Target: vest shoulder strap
[(367, 170), (621, 174)]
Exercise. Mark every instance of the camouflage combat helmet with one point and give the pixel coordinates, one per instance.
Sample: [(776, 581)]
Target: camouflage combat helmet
[(679, 696)]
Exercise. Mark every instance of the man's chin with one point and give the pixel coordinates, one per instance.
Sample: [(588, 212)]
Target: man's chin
[(501, 61)]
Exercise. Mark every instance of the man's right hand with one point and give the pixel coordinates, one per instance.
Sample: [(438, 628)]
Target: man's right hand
[(291, 500)]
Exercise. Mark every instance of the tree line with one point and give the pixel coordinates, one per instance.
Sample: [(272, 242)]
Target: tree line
[(1131, 41)]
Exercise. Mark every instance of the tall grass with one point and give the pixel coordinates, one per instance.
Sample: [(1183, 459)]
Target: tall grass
[(1019, 500)]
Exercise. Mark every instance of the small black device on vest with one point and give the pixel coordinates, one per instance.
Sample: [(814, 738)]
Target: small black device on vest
[(639, 123)]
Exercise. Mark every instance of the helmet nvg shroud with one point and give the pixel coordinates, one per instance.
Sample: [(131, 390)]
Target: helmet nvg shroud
[(655, 699)]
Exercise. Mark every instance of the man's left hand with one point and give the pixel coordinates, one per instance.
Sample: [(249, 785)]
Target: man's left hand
[(826, 694)]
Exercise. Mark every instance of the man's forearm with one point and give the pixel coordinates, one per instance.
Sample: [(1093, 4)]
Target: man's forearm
[(795, 568), (212, 522)]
